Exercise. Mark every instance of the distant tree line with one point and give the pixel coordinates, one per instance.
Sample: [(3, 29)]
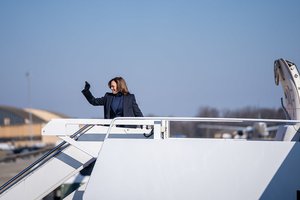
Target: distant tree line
[(246, 112), (191, 129)]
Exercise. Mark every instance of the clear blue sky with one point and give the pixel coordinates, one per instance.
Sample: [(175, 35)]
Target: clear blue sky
[(176, 55)]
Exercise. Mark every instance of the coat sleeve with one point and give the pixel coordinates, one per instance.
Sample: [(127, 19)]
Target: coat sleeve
[(136, 110), (92, 100)]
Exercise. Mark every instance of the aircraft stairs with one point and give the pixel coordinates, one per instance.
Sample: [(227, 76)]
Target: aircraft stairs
[(74, 153), (153, 162)]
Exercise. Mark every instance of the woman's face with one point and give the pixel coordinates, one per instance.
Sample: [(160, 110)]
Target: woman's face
[(113, 87)]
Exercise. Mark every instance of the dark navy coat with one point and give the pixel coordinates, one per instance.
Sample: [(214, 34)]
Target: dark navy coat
[(130, 107)]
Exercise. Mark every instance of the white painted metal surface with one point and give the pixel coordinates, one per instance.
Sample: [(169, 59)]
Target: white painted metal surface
[(66, 127), (149, 154), (287, 74), (195, 169), (49, 176)]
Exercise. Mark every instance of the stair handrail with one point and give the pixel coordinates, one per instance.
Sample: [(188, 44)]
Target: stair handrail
[(47, 156)]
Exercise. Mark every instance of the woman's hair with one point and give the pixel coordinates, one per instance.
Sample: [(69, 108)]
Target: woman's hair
[(121, 85)]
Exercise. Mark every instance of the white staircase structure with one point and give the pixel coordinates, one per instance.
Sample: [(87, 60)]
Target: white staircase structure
[(143, 162), (81, 145)]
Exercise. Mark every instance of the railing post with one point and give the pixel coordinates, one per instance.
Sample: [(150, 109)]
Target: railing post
[(157, 129), (165, 129)]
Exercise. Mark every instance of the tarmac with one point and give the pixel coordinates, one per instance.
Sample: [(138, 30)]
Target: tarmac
[(12, 168)]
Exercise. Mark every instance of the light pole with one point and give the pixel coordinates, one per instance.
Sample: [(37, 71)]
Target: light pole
[(29, 104)]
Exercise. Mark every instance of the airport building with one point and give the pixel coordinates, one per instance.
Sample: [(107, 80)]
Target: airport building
[(22, 127)]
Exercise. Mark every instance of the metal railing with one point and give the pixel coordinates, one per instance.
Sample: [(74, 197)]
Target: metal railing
[(39, 162), (191, 119), (157, 122)]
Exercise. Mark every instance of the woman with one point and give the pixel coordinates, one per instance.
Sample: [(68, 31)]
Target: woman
[(118, 103)]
